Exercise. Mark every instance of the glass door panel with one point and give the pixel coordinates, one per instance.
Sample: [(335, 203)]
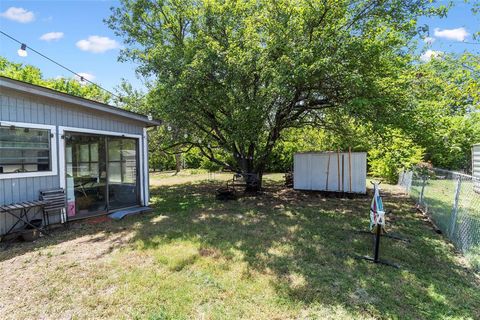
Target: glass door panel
[(86, 173), (122, 172)]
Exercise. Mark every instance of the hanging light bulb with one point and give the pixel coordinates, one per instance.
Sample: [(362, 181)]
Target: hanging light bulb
[(185, 135), (169, 128), (22, 52)]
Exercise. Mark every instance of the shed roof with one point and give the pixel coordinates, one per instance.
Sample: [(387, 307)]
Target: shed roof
[(40, 91)]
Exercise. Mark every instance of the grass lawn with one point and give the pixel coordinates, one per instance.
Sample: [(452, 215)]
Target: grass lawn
[(280, 255), (439, 198)]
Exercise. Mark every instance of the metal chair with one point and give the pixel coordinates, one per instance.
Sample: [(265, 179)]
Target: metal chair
[(56, 203)]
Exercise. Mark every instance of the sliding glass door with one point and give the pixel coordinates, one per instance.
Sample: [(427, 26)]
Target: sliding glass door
[(86, 174), (101, 173), (122, 173)]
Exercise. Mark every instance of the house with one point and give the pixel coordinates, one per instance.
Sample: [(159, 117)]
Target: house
[(48, 140)]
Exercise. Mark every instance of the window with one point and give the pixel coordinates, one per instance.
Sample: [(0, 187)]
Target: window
[(26, 150)]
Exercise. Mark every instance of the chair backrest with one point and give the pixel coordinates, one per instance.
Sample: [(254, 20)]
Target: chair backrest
[(55, 199)]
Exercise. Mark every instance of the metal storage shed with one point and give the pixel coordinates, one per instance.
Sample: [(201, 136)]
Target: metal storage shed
[(476, 167), (330, 171), (49, 139)]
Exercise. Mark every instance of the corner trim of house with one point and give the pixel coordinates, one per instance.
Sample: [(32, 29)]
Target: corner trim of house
[(146, 176)]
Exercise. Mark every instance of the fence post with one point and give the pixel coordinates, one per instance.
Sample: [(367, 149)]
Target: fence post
[(424, 182), (453, 219), (409, 176)]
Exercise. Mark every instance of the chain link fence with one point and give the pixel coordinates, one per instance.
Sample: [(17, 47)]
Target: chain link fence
[(452, 199)]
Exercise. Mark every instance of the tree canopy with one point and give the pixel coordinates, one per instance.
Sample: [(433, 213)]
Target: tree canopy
[(233, 75), (33, 75)]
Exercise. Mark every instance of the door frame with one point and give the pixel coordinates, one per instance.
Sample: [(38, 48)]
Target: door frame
[(142, 156)]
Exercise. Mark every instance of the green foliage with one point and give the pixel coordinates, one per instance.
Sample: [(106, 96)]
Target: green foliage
[(347, 135), (236, 74), (391, 154), (447, 99), (33, 75)]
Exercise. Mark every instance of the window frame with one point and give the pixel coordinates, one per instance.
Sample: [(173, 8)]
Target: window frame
[(53, 151)]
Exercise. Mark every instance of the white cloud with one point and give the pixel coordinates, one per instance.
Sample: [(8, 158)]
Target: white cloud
[(85, 75), (18, 14), (429, 40), (430, 54), (52, 36), (97, 44), (458, 34)]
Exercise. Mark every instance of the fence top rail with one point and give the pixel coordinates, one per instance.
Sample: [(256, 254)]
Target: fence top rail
[(457, 173)]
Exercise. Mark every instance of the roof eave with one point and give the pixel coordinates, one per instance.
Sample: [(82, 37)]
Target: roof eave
[(68, 98)]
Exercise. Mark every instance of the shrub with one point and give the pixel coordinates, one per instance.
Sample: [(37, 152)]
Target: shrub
[(391, 155)]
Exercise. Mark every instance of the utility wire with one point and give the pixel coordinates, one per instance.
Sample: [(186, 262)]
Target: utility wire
[(82, 78)]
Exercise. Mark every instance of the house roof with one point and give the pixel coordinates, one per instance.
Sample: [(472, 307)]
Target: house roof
[(28, 88)]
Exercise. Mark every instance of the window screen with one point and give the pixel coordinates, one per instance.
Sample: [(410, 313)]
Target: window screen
[(24, 149)]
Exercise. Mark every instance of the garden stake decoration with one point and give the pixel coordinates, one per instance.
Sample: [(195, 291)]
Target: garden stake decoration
[(377, 226)]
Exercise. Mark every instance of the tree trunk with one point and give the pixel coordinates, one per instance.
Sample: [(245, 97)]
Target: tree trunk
[(178, 162), (252, 179)]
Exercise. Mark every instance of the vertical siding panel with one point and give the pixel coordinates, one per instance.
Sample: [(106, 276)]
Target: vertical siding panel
[(22, 190), (27, 111), (19, 110), (50, 113), (2, 194), (3, 108), (8, 191), (30, 190), (2, 99), (17, 192), (35, 114), (11, 109)]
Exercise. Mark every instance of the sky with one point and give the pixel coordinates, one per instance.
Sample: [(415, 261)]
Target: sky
[(74, 34)]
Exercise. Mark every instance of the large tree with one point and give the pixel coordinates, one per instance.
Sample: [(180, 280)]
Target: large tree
[(446, 123), (232, 75)]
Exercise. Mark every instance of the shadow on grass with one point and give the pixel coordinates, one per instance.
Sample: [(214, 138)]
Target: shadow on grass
[(306, 243), (304, 240)]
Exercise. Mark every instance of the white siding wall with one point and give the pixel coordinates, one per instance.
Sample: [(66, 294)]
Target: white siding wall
[(312, 170)]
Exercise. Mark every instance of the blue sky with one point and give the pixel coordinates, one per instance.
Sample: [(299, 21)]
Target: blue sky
[(74, 34)]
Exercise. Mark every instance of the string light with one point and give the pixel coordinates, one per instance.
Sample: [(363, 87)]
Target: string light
[(22, 52)]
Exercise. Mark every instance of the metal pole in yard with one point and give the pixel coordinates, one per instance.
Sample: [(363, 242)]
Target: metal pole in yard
[(453, 219), (424, 182), (377, 243)]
